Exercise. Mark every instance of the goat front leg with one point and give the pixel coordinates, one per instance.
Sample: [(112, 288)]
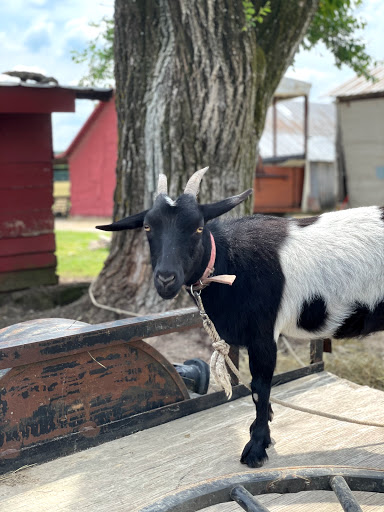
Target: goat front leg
[(262, 361)]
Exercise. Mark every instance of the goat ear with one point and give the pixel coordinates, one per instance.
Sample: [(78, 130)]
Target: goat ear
[(211, 211), (132, 222)]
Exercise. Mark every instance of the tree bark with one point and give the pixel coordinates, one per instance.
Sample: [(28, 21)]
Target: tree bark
[(192, 89)]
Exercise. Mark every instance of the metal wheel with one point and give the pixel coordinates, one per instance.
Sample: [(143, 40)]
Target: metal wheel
[(243, 487)]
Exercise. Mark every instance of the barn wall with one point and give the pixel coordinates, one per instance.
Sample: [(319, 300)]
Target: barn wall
[(92, 165), (362, 138), (27, 243)]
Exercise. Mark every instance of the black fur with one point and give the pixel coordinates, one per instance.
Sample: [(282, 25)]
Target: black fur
[(248, 248), (382, 213), (362, 322), (307, 221), (313, 315)]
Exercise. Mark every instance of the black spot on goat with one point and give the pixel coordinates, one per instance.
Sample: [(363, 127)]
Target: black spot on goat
[(308, 278)]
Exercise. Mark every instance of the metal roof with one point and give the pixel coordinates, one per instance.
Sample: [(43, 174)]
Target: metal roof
[(359, 87), (90, 93), (291, 88), (290, 131)]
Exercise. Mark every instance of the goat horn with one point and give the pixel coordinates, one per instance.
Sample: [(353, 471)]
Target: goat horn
[(194, 181), (162, 187)]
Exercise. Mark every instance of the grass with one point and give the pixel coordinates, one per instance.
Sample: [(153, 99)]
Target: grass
[(75, 260), (354, 360)]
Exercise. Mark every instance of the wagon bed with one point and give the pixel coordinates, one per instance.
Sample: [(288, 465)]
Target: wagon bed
[(130, 473)]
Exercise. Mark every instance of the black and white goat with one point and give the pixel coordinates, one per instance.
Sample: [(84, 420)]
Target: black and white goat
[(316, 277)]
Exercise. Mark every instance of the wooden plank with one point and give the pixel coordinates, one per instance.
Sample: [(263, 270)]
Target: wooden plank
[(36, 99), (27, 245), (27, 261), (67, 444), (15, 223), (20, 351), (135, 471), (26, 174), (21, 279), (26, 199)]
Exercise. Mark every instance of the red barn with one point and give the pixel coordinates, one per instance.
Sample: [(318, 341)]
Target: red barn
[(92, 162), (27, 241)]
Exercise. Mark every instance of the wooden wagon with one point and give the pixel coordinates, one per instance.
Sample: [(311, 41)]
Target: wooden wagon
[(131, 434)]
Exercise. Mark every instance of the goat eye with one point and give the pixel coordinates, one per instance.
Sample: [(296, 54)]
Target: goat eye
[(147, 228), (199, 230)]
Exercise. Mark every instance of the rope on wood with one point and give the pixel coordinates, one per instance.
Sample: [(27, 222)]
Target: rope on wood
[(325, 414), (220, 360)]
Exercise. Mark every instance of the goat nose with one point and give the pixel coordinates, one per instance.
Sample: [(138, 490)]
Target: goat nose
[(166, 279)]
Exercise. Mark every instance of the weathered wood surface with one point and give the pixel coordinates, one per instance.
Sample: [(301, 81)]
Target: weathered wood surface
[(74, 339), (132, 472)]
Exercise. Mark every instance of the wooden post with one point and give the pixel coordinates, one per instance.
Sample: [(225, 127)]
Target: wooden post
[(306, 127), (274, 110), (316, 351)]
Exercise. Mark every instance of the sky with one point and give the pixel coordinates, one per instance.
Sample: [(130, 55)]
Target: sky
[(39, 35)]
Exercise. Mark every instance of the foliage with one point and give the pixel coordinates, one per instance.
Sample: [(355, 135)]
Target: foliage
[(336, 25), (98, 55), (251, 17), (75, 261)]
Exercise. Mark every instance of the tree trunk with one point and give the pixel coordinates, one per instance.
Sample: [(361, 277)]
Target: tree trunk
[(192, 89)]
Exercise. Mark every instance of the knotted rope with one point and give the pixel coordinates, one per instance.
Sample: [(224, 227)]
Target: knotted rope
[(220, 359)]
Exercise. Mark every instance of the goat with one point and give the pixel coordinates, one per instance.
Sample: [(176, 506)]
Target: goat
[(314, 277)]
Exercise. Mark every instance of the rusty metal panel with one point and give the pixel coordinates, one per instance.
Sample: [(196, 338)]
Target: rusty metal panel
[(81, 393)]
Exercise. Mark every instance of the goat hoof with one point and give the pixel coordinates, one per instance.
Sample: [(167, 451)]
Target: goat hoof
[(253, 455)]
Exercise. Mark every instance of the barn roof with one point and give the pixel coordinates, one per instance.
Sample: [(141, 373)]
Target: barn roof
[(83, 130), (290, 131), (89, 93), (291, 88), (359, 87)]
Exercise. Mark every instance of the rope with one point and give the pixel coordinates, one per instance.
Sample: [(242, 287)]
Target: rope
[(108, 308), (291, 351), (220, 360), (325, 414)]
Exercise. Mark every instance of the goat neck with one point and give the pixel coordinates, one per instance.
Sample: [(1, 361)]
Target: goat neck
[(205, 279)]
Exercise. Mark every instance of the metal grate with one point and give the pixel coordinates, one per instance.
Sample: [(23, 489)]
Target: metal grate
[(243, 487)]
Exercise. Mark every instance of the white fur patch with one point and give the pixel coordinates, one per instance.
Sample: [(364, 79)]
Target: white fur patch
[(170, 201), (340, 258)]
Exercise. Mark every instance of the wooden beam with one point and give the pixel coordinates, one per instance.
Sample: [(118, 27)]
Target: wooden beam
[(44, 346)]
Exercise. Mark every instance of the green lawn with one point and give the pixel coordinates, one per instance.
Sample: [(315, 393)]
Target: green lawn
[(75, 260)]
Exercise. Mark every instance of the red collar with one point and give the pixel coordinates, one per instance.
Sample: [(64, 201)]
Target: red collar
[(205, 279), (210, 267)]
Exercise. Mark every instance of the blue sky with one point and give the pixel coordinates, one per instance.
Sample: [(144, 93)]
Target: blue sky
[(38, 35)]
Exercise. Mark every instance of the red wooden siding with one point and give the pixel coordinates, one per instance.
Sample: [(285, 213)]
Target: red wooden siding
[(25, 138), (92, 162), (27, 261), (27, 242), (25, 223)]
